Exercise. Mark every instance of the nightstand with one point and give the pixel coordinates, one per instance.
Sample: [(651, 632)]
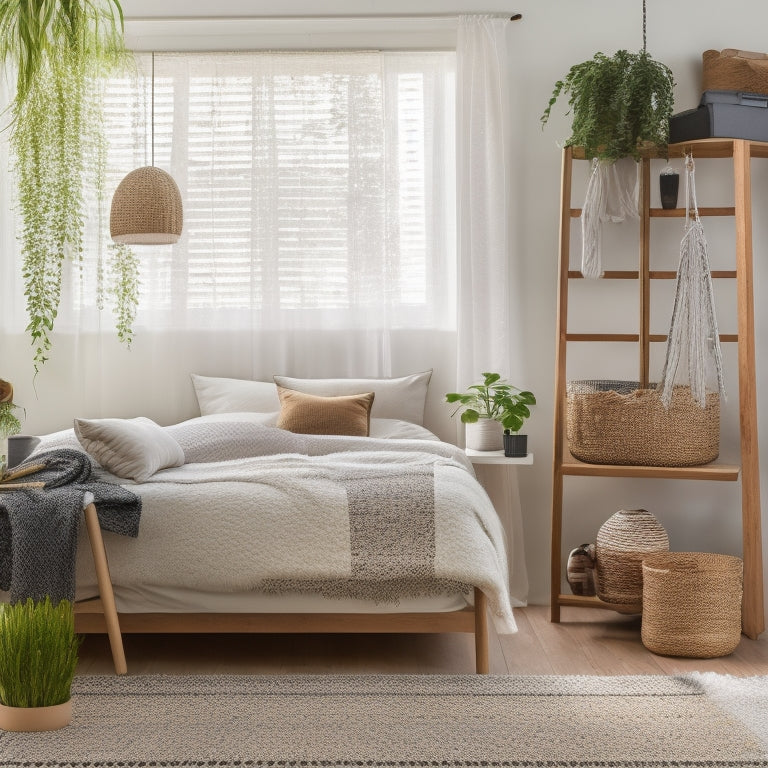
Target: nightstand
[(495, 457), (497, 473)]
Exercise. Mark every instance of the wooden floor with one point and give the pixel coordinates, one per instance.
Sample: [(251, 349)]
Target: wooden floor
[(586, 642)]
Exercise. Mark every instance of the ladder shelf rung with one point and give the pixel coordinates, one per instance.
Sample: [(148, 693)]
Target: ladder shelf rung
[(714, 471), (655, 274), (620, 337), (675, 213)]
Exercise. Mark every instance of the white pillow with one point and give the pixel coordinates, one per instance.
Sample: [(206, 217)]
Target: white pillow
[(133, 449), (401, 398), (216, 395)]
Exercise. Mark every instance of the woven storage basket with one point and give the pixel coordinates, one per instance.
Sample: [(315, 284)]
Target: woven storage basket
[(622, 542), (615, 422), (733, 70), (692, 604)]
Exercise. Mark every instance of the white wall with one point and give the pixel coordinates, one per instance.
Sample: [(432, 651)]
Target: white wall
[(553, 35)]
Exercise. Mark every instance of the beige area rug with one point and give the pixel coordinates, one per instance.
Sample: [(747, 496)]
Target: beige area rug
[(402, 721)]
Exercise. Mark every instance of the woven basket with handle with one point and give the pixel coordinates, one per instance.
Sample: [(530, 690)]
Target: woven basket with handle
[(692, 604), (616, 422)]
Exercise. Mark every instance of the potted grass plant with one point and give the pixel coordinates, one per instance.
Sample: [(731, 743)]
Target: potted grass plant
[(38, 656), (492, 410)]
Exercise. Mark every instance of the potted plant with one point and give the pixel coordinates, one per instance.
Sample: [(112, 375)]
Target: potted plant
[(497, 408), (620, 104), (620, 107), (9, 423), (38, 656)]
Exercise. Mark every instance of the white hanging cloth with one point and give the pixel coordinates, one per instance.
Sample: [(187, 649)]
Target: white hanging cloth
[(693, 314), (611, 197)]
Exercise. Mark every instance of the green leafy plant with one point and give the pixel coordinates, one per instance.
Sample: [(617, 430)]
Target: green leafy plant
[(495, 399), (60, 51), (124, 287), (38, 653), (620, 104), (9, 422)]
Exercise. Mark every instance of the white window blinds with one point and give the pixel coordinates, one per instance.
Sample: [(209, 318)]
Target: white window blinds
[(318, 188)]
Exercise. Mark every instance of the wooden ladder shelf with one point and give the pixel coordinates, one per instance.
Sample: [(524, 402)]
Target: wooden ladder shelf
[(741, 152)]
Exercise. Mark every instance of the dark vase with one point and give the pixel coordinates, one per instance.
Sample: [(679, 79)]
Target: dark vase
[(669, 184), (516, 446), (19, 447)]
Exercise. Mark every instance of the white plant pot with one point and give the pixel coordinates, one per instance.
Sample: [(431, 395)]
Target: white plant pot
[(484, 435)]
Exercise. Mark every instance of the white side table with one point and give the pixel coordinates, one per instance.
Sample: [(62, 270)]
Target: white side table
[(502, 488), (495, 457)]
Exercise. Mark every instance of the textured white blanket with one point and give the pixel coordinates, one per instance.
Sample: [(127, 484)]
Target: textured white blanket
[(358, 517)]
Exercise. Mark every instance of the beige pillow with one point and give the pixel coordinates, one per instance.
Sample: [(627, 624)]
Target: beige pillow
[(133, 449), (316, 415)]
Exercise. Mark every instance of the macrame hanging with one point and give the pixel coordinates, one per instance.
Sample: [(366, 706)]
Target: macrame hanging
[(693, 314), (611, 197)]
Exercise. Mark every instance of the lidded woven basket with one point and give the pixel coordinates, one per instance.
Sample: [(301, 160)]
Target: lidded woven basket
[(734, 70), (622, 542), (692, 604)]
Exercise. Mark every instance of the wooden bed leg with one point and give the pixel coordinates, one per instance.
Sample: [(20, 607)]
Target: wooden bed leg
[(481, 634), (105, 590)]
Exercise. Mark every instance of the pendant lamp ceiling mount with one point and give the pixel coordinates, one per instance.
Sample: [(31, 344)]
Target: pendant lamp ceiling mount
[(146, 207)]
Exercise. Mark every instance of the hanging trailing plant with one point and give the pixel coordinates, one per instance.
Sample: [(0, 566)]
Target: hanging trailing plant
[(60, 51), (124, 288), (620, 104)]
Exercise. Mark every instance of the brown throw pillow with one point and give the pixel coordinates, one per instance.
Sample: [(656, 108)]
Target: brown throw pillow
[(316, 415)]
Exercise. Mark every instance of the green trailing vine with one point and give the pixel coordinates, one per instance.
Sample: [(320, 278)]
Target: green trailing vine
[(61, 51), (620, 104), (124, 287)]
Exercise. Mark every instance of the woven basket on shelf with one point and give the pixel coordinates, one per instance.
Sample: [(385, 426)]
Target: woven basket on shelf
[(734, 70), (622, 542), (692, 604), (615, 422)]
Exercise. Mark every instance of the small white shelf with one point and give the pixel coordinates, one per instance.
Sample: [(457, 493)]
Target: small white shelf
[(495, 457)]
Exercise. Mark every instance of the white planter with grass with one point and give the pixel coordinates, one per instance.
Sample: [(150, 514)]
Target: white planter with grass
[(38, 656)]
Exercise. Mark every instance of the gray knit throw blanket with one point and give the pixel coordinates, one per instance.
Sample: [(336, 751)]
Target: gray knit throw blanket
[(38, 528)]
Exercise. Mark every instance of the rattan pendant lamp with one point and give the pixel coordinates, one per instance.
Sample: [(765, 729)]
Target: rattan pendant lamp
[(146, 207)]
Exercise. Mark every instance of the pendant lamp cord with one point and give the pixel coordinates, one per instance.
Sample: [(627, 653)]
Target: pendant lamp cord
[(152, 110), (643, 26)]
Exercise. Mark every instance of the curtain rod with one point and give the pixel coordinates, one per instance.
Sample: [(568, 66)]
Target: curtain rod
[(323, 17)]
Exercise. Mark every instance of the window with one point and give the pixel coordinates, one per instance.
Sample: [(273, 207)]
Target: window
[(314, 184)]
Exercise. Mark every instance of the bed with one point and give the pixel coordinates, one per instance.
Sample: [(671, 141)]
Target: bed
[(250, 527)]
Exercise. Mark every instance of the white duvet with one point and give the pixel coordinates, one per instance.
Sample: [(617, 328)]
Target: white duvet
[(284, 513)]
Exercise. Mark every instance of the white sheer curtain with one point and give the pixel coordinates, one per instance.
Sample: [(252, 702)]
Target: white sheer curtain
[(319, 233), (490, 275)]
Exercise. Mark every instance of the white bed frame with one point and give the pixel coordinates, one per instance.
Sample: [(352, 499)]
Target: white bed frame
[(99, 615)]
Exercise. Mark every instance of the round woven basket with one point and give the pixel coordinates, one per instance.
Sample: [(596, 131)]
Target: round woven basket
[(692, 604), (622, 542)]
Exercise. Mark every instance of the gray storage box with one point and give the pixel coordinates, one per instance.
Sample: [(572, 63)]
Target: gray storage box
[(723, 114)]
